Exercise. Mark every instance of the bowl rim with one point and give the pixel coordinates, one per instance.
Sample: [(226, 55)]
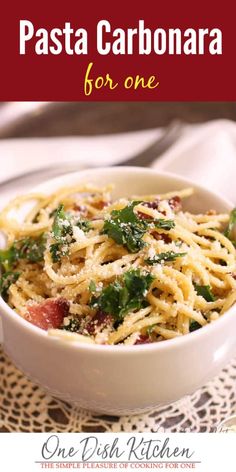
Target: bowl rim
[(177, 342)]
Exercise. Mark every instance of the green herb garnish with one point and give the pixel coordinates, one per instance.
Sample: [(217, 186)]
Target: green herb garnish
[(232, 222), (161, 223), (62, 226), (124, 295), (84, 225), (92, 286), (164, 256), (194, 325), (30, 249), (205, 292), (127, 229), (58, 250), (62, 232), (8, 257), (73, 325), (33, 249), (150, 330), (6, 280)]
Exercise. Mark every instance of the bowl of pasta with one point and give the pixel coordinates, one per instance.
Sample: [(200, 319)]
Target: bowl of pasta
[(118, 287)]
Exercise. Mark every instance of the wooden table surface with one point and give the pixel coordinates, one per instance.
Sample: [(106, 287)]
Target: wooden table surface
[(90, 118)]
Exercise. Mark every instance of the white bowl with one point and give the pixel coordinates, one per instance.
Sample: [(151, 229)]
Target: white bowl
[(123, 379)]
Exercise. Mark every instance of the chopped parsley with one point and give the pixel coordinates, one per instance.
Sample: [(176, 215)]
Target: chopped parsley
[(205, 292), (30, 249), (57, 251), (92, 286), (6, 280), (8, 257), (232, 222), (62, 224), (127, 229), (72, 325), (83, 224), (194, 325), (62, 232), (124, 295), (161, 223), (150, 329), (165, 257), (33, 249)]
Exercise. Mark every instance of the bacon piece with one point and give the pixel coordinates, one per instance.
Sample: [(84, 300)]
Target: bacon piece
[(153, 205), (175, 203), (96, 218), (161, 236), (100, 321), (48, 314), (211, 212), (143, 339), (82, 209), (143, 216), (100, 204)]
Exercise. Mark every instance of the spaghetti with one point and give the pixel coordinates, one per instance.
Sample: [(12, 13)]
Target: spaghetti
[(130, 271)]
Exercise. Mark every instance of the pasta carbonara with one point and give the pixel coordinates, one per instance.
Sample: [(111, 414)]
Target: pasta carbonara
[(131, 271)]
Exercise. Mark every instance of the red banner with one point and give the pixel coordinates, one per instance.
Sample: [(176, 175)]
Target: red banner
[(158, 51)]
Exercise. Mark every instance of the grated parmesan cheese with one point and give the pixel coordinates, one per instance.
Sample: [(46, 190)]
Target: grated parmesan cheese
[(78, 234)]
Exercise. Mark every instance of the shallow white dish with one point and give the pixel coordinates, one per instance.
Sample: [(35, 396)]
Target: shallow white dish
[(123, 379)]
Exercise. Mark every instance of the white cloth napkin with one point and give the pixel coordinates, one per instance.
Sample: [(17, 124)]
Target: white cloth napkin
[(205, 153), (25, 154)]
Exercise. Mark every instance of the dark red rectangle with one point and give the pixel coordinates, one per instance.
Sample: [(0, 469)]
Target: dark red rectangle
[(181, 77)]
